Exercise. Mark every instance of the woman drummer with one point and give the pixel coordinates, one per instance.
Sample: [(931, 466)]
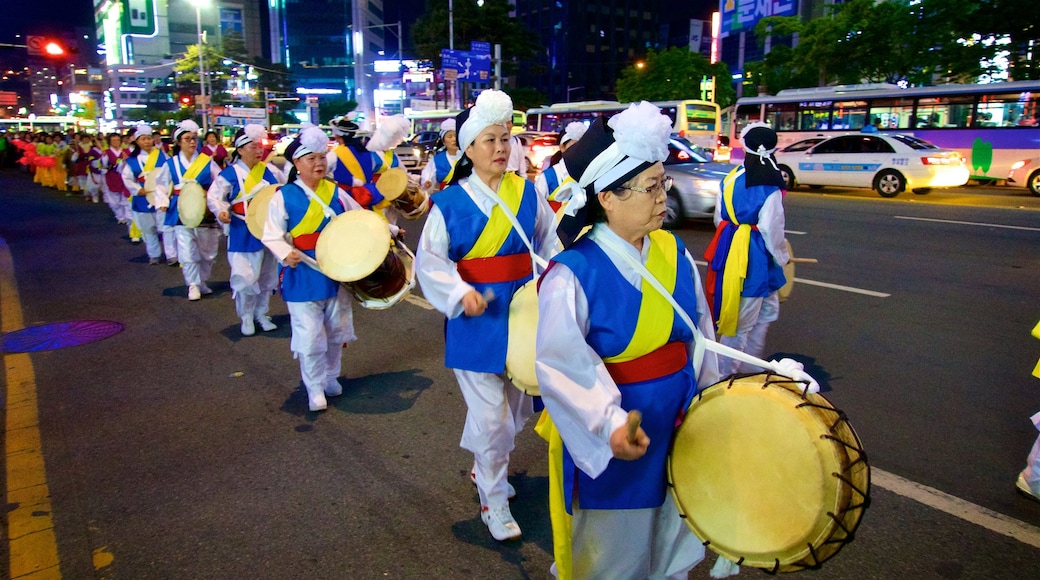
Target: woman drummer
[(197, 247), (608, 344), (319, 307), (144, 157), (254, 271), (470, 261), (437, 173)]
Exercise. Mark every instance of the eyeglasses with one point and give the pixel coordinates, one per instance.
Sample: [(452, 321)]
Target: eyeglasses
[(187, 138), (656, 190)]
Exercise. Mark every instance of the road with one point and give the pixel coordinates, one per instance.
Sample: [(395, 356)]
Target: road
[(179, 449)]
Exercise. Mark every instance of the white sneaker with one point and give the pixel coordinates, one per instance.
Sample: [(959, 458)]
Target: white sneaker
[(247, 327), (473, 477), (193, 292), (1023, 487), (317, 402), (333, 388), (500, 523), (265, 323), (205, 289)]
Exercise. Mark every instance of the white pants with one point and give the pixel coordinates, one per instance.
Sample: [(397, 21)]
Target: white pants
[(495, 412), (752, 325), (633, 544), (169, 235), (1032, 471), (197, 250), (320, 328), (89, 187), (146, 223), (115, 202), (254, 275)]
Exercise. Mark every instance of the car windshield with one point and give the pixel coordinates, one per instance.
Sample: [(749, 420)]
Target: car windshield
[(682, 151), (801, 145), (913, 142)]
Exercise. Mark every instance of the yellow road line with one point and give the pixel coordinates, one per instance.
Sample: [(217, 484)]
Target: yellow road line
[(32, 544)]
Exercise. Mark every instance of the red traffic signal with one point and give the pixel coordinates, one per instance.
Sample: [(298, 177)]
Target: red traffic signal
[(53, 49), (186, 100)]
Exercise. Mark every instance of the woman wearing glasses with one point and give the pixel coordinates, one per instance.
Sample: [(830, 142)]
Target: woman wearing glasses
[(608, 343)]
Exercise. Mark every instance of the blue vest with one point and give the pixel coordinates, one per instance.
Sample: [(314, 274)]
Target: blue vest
[(552, 181), (205, 179), (614, 306), (239, 238), (478, 343), (139, 203), (303, 283), (343, 176), (442, 165)]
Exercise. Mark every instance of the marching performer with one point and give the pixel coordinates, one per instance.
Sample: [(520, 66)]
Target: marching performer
[(319, 307), (554, 180), (144, 157), (215, 149), (472, 257), (86, 167), (254, 270), (437, 173), (390, 133), (747, 255), (1028, 483), (197, 247), (350, 164), (115, 193)]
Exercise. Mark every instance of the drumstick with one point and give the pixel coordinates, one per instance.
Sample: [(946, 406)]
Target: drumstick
[(632, 423), (804, 260), (488, 294)]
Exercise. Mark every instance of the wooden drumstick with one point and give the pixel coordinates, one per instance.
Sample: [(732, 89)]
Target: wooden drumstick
[(635, 418), (805, 260)]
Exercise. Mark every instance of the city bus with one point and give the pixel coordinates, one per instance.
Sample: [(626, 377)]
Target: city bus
[(47, 123), (431, 120), (992, 125), (698, 121)]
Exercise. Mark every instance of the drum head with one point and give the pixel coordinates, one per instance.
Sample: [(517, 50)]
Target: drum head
[(353, 245), (256, 211), (149, 180), (523, 326), (392, 183), (191, 206), (150, 197), (785, 291), (763, 477)]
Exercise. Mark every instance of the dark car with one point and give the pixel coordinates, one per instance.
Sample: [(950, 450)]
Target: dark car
[(424, 145), (695, 182)]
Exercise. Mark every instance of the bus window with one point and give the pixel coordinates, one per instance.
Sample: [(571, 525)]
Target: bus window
[(814, 116), (700, 117), (1007, 110), (893, 113), (781, 116), (849, 115), (944, 112), (745, 115)]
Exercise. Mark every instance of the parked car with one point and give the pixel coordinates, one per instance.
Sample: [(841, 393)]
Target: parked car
[(424, 145), (887, 163), (1026, 173), (409, 157), (538, 147), (695, 182)]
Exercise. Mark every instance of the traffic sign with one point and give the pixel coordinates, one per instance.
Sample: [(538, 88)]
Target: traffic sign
[(36, 45), (247, 113), (479, 47), (469, 66)]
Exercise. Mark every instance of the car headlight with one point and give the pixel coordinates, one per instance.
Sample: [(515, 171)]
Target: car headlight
[(706, 186), (1018, 165)]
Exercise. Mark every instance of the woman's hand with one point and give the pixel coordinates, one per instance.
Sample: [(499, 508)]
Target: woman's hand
[(293, 259), (224, 217), (473, 304), (625, 450)]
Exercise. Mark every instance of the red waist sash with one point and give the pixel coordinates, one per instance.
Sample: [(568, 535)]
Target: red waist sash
[(496, 268), (555, 205), (668, 359), (239, 208), (306, 241)]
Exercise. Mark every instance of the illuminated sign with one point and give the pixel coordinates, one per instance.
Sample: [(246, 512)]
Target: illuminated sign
[(308, 91), (741, 15)]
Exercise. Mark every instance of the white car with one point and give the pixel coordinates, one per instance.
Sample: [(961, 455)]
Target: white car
[(1026, 173), (883, 162)]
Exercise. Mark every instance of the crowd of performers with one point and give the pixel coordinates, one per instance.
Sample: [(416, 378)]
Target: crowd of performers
[(588, 232)]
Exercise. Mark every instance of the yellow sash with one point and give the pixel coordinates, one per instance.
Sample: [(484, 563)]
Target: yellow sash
[(314, 215), (498, 226), (153, 158), (558, 516), (255, 175), (347, 158), (736, 261), (388, 160), (196, 167), (563, 183)]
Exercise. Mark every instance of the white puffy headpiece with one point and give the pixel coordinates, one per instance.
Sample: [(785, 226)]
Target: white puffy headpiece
[(492, 108), (310, 140), (251, 133), (140, 131), (185, 126), (390, 133), (573, 131), (447, 125)]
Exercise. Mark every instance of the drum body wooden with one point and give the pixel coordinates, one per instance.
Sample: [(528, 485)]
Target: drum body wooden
[(256, 211), (767, 476), (523, 328), (191, 204), (355, 248), (413, 203), (785, 291)]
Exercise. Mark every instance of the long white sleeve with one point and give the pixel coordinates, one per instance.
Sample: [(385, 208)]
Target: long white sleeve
[(438, 275), (771, 224), (216, 195), (429, 174)]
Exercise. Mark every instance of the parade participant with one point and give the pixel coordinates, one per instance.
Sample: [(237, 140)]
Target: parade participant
[(350, 164), (390, 133), (197, 247), (1028, 483), (115, 193), (552, 182), (62, 155), (747, 255), (437, 173), (144, 157), (471, 259), (215, 149), (254, 270), (517, 154), (319, 307), (86, 167)]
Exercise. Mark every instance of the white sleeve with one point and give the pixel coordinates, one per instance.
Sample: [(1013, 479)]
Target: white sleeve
[(129, 180), (771, 225), (578, 392), (438, 275), (162, 187), (429, 173), (541, 186), (278, 174), (216, 195), (546, 242), (276, 227), (708, 373)]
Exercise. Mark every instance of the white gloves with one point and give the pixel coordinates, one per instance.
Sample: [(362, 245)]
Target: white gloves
[(794, 369)]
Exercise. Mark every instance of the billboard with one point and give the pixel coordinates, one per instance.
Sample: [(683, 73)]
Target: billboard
[(741, 15)]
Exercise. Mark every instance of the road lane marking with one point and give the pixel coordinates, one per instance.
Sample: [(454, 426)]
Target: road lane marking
[(965, 510), (794, 233), (983, 224), (852, 289), (420, 302), (32, 544)]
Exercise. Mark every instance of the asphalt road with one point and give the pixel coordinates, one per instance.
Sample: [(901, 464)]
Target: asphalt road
[(179, 449)]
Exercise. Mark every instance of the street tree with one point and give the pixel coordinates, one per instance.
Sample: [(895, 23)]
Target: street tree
[(673, 74)]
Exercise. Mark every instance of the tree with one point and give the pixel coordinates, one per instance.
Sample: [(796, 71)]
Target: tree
[(673, 74), (525, 97), (334, 107)]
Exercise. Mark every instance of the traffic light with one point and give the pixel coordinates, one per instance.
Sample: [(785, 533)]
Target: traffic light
[(186, 100)]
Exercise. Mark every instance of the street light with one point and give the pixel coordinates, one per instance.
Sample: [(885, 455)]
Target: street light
[(199, 4)]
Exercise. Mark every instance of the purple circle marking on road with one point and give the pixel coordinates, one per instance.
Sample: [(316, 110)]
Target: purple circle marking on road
[(58, 335)]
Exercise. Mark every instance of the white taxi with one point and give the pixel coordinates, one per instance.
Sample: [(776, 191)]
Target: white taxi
[(886, 163)]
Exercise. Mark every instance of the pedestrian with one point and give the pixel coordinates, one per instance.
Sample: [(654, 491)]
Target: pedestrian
[(254, 270), (871, 126), (747, 254), (115, 193), (215, 149), (472, 257), (1028, 483), (197, 246), (144, 158), (350, 164), (319, 307), (553, 181), (437, 173), (86, 167), (609, 343)]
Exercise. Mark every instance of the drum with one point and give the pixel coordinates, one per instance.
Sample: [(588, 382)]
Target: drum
[(191, 204), (392, 183), (256, 211), (413, 203), (768, 476), (523, 327), (149, 179), (785, 291)]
